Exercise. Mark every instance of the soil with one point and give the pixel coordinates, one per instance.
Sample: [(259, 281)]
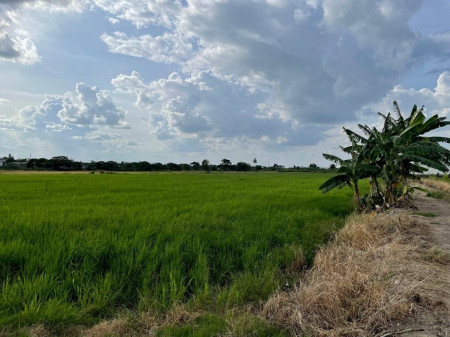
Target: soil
[(433, 317)]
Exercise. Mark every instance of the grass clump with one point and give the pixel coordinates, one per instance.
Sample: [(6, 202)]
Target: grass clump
[(435, 254), (436, 194)]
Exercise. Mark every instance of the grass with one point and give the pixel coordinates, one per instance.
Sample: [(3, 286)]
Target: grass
[(442, 188), (436, 194), (426, 214), (75, 249)]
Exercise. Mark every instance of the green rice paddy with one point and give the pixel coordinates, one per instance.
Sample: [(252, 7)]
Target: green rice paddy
[(78, 248)]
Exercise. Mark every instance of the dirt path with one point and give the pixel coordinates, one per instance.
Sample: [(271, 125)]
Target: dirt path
[(434, 319), (440, 224)]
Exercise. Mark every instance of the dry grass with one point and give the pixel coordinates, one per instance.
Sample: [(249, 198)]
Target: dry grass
[(437, 255), (144, 325), (360, 283), (437, 184)]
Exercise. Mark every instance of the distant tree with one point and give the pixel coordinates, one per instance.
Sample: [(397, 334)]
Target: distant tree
[(195, 165), (62, 163), (241, 166), (157, 167), (173, 167), (225, 164), (205, 165), (255, 161), (332, 167), (185, 167), (313, 166), (143, 166)]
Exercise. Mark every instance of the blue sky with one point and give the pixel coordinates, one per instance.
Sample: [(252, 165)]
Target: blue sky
[(175, 80)]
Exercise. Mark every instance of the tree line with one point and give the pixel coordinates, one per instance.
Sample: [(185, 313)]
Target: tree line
[(63, 163), (390, 157)]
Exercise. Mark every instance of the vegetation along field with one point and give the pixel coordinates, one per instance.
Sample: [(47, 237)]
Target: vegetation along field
[(77, 248)]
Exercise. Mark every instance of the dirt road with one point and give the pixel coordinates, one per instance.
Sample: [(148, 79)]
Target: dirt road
[(434, 319)]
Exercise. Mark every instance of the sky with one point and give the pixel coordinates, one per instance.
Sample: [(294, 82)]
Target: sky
[(187, 80)]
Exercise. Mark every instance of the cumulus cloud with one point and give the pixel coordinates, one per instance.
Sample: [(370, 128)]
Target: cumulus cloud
[(76, 115), (89, 106), (205, 107), (86, 106)]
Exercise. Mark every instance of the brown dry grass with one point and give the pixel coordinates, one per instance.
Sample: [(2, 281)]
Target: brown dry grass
[(368, 277), (437, 184)]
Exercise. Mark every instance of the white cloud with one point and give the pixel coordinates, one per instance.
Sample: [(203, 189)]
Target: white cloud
[(87, 106), (90, 106), (436, 101), (167, 48), (15, 44), (53, 126), (142, 12)]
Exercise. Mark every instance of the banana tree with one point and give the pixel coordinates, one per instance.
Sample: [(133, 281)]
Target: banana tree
[(394, 154), (350, 171)]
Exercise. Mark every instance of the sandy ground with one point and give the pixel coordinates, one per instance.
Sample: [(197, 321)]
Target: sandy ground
[(434, 319)]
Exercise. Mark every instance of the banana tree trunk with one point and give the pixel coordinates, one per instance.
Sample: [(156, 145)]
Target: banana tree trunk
[(356, 198), (390, 194)]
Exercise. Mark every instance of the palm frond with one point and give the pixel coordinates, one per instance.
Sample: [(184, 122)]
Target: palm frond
[(427, 162), (354, 136), (397, 111), (338, 181), (333, 158)]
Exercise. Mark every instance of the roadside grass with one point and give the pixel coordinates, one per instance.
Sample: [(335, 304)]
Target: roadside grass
[(367, 279), (442, 188), (78, 249), (426, 214)]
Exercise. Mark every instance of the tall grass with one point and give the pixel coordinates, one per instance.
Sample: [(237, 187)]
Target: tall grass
[(76, 248)]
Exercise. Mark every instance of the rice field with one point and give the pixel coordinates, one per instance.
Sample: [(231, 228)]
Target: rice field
[(78, 248)]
